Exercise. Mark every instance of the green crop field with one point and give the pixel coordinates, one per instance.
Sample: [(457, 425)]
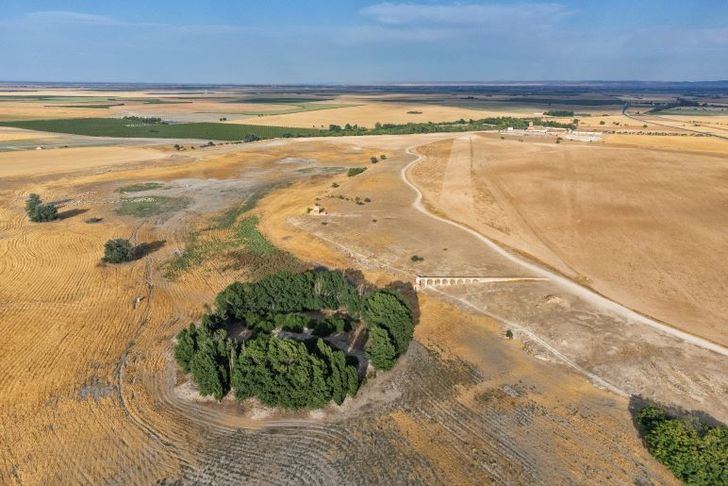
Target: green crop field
[(277, 101), (116, 127)]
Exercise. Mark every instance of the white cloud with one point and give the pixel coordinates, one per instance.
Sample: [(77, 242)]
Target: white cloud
[(484, 15), (61, 16)]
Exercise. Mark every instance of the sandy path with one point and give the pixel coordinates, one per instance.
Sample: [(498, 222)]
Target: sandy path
[(564, 283)]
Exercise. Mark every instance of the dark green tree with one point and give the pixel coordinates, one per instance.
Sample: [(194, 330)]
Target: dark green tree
[(385, 309), (32, 202), (118, 250), (341, 377), (186, 346), (380, 350), (281, 372), (210, 365)]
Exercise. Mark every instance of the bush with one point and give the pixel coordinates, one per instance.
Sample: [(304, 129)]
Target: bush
[(373, 160), (695, 452), (416, 258), (380, 350), (251, 137), (355, 171), (118, 250), (383, 157)]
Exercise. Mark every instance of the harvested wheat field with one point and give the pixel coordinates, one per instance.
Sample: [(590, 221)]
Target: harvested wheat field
[(90, 381)]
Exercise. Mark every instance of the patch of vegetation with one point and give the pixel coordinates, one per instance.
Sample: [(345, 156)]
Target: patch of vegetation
[(416, 258), (355, 171), (560, 113), (139, 187), (564, 101), (373, 160), (151, 128), (143, 207), (285, 371), (278, 100), (39, 212), (243, 245), (99, 107), (414, 112), (118, 250), (143, 128), (694, 451)]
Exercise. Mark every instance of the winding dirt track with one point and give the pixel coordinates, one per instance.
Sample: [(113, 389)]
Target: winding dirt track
[(564, 283)]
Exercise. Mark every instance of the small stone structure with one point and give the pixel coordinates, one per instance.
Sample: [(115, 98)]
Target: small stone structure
[(318, 210)]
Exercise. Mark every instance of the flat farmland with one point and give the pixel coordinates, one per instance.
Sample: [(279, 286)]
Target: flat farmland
[(89, 379)]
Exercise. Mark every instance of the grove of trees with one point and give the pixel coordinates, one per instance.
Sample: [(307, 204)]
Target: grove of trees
[(300, 369), (39, 212), (694, 451)]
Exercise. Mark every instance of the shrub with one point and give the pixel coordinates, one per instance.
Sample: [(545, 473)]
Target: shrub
[(118, 250), (380, 350), (251, 137), (416, 258), (509, 334), (355, 171), (695, 452), (373, 160), (383, 157)]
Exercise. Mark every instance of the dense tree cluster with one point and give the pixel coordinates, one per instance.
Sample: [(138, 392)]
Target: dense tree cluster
[(694, 451), (293, 374), (39, 212), (284, 361)]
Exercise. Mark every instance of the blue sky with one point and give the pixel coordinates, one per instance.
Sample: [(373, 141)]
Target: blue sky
[(310, 41)]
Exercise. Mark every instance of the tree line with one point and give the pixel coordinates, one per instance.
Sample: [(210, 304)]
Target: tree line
[(696, 452), (292, 372)]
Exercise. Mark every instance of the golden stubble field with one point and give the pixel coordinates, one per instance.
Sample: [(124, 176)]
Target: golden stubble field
[(88, 394)]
